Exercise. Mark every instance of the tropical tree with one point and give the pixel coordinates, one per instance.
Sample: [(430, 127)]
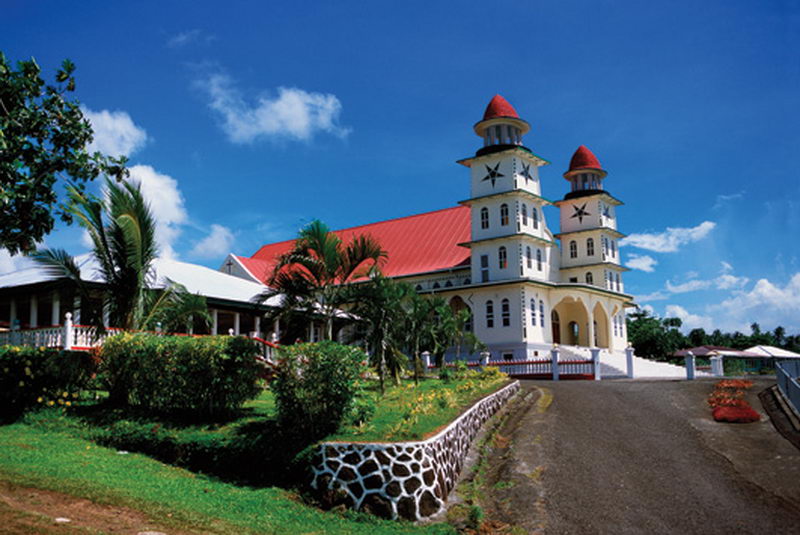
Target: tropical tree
[(380, 305), (313, 276), (418, 315), (43, 142), (122, 230)]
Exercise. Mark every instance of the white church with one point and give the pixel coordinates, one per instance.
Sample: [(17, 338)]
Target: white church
[(526, 287)]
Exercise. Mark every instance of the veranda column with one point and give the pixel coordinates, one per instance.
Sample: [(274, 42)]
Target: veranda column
[(214, 323), (55, 311), (590, 330), (257, 326), (76, 310), (236, 323), (33, 317), (276, 330), (12, 312)]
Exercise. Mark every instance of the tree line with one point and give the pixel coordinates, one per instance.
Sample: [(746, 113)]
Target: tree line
[(657, 338)]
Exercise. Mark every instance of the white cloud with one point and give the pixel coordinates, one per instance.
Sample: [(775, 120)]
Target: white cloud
[(690, 321), (767, 303), (189, 36), (671, 239), (722, 200), (689, 286), (217, 243), (166, 203), (641, 262), (294, 113), (726, 281), (115, 133), (726, 267), (655, 296)]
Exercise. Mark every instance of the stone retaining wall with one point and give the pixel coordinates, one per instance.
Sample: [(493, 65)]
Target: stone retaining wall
[(410, 480)]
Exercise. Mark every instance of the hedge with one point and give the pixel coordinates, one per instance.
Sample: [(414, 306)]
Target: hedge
[(210, 374)]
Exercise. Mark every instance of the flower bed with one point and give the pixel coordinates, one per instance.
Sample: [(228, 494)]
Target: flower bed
[(728, 404)]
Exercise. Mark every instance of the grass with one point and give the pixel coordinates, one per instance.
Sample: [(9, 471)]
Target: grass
[(56, 460), (414, 412), (53, 449)]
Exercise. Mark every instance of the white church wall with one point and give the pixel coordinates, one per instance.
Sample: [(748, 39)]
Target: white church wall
[(483, 183)]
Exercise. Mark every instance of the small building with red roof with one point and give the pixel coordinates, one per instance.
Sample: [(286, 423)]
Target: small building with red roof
[(526, 287)]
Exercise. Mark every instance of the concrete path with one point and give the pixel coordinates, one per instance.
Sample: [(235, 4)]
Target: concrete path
[(643, 457)]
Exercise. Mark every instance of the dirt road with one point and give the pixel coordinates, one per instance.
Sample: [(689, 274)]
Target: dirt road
[(641, 457)]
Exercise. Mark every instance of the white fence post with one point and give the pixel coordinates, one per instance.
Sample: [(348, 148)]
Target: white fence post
[(596, 362), (69, 335), (485, 358), (629, 361), (716, 366), (426, 360), (554, 362), (690, 366)]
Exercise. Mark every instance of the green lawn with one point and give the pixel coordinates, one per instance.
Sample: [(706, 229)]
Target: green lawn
[(57, 450), (55, 460)]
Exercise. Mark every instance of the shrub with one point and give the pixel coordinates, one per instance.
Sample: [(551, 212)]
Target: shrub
[(315, 386), (41, 375), (210, 374)]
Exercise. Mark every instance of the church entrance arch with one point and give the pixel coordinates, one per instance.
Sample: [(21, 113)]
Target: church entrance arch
[(573, 325), (601, 325), (556, 323), (457, 305)]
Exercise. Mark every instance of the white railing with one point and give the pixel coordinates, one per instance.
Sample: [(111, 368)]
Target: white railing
[(788, 375), (574, 366)]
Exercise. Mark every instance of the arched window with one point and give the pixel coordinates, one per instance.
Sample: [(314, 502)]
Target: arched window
[(573, 249), (505, 309), (503, 214), (589, 247), (529, 257), (448, 284), (541, 312), (613, 247), (524, 214), (502, 258), (619, 283), (484, 217), (435, 285), (605, 246), (535, 214), (589, 278), (533, 312), (467, 281), (489, 314), (539, 259), (418, 287)]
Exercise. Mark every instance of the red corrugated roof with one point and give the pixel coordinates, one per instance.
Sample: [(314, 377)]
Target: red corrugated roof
[(415, 244), (499, 107), (584, 159)]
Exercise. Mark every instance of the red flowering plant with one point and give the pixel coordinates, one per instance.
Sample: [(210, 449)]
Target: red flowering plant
[(728, 404)]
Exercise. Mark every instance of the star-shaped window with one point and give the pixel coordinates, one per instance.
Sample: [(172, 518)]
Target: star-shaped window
[(526, 172), (492, 174), (580, 213)]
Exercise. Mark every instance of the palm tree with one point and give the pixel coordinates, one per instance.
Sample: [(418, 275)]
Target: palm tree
[(380, 306), (313, 277), (122, 230)]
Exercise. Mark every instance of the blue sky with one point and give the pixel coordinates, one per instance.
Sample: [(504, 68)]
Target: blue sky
[(247, 121)]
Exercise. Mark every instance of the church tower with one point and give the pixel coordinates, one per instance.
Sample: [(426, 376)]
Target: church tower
[(509, 235), (589, 251)]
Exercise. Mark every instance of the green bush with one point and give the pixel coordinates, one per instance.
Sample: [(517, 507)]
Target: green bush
[(46, 376), (315, 386), (210, 374)]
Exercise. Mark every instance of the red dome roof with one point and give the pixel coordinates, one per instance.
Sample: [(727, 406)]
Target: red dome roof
[(584, 159), (499, 107)]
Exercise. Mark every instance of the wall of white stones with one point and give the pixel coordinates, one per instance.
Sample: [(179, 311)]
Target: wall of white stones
[(409, 480)]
